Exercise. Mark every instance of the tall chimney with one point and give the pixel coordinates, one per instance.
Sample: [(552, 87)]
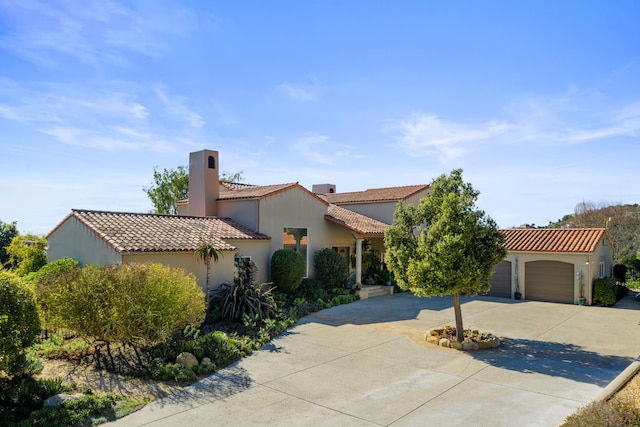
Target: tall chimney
[(204, 183)]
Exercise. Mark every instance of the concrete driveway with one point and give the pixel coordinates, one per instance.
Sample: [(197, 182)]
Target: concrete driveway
[(366, 364)]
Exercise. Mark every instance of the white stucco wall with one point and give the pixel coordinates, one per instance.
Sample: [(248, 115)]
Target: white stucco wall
[(244, 212), (72, 239), (259, 251), (220, 272)]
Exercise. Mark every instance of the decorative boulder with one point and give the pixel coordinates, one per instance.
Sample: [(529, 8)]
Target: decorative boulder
[(187, 360), (469, 345), (59, 399), (444, 342), (206, 360)]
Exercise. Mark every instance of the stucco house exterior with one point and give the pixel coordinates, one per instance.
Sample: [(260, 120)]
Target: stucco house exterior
[(241, 220), (556, 265)]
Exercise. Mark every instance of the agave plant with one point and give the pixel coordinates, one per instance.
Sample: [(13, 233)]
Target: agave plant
[(247, 299)]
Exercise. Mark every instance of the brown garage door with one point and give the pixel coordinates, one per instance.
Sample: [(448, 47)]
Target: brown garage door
[(549, 281), (501, 280)]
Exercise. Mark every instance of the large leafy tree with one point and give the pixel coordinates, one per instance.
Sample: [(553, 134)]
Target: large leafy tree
[(168, 187), (445, 245), (7, 232), (171, 185), (27, 253)]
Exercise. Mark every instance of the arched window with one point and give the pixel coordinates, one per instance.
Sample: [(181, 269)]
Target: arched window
[(212, 162)]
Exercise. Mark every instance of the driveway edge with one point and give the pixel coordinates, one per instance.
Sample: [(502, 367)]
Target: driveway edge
[(618, 382)]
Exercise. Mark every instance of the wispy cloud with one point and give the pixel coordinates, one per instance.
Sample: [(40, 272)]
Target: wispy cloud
[(302, 92), (308, 146), (176, 107), (576, 117), (96, 33), (104, 119)]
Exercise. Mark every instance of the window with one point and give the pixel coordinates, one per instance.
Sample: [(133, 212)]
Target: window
[(602, 269), (296, 239), (244, 270), (212, 162)]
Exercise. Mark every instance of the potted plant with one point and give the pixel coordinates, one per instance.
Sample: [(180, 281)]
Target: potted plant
[(517, 294)]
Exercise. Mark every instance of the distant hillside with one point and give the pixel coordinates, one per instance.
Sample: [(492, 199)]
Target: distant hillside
[(621, 221)]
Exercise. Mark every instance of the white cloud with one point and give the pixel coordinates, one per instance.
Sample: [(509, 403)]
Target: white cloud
[(97, 33), (176, 107), (302, 92), (426, 134), (308, 147), (576, 117), (103, 118)]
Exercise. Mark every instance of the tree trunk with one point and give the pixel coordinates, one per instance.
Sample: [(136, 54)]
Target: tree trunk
[(458, 312)]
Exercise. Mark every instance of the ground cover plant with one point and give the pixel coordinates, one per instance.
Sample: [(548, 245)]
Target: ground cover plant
[(244, 317)]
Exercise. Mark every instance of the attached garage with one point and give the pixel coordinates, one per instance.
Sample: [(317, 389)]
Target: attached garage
[(549, 281), (501, 280)]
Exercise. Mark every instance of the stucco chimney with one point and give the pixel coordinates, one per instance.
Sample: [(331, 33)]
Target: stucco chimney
[(323, 188), (204, 183)]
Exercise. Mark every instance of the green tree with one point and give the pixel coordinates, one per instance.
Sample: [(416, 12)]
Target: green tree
[(168, 187), (444, 246), (19, 322), (171, 185), (27, 253), (208, 252), (7, 232)]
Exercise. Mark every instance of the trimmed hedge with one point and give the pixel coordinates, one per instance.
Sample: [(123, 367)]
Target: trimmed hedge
[(287, 270), (331, 269), (604, 291)]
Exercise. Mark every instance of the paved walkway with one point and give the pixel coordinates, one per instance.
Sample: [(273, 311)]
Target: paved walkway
[(366, 364)]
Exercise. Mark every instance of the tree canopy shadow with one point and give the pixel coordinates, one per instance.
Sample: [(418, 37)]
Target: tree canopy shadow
[(554, 359)]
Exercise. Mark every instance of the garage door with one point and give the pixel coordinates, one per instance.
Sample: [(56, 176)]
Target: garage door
[(549, 281), (501, 280)]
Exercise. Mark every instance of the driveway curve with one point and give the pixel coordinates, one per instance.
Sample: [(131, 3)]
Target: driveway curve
[(366, 364)]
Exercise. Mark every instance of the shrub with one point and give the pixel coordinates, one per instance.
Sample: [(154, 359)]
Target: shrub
[(46, 279), (331, 269), (311, 290), (287, 270), (604, 291), (19, 323), (135, 304), (620, 273), (615, 412), (245, 299)]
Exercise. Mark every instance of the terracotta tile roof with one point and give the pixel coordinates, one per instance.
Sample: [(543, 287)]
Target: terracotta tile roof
[(354, 221), (387, 194), (255, 192), (231, 186), (582, 240), (135, 232)]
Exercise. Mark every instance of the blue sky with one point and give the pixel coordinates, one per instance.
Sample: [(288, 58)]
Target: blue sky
[(538, 101)]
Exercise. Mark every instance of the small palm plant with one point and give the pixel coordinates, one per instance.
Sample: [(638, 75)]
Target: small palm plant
[(208, 252)]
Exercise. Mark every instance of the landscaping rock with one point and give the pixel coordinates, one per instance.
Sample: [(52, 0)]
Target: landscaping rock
[(187, 360), (456, 345), (59, 399), (206, 360), (469, 345), (444, 342), (432, 339)]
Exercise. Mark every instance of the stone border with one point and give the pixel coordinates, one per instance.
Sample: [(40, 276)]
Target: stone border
[(434, 336)]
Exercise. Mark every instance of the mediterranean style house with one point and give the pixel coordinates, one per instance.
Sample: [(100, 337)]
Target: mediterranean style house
[(241, 220), (250, 221)]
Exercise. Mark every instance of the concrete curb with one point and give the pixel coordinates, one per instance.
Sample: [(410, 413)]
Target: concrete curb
[(618, 382)]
